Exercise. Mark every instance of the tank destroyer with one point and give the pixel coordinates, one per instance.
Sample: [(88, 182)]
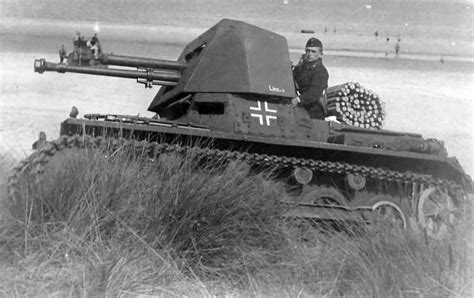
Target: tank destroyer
[(224, 89)]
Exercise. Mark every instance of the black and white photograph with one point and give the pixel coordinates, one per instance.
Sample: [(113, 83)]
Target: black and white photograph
[(236, 148)]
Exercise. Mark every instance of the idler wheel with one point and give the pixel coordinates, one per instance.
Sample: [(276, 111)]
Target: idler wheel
[(303, 175), (437, 213), (356, 182)]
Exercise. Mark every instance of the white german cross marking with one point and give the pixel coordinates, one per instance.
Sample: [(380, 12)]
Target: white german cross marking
[(263, 114)]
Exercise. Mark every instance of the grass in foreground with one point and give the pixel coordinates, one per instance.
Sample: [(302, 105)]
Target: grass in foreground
[(121, 226)]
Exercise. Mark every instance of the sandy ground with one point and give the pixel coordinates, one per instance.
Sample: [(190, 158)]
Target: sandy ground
[(436, 26)]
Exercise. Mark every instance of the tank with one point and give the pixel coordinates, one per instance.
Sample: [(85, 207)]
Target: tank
[(230, 89)]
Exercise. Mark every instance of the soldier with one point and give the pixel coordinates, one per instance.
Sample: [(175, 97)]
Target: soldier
[(77, 41), (95, 50), (77, 45), (62, 54), (397, 49), (95, 46), (94, 39), (311, 80)]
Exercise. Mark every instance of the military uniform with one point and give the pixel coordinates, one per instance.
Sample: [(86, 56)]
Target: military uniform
[(62, 54), (312, 80)]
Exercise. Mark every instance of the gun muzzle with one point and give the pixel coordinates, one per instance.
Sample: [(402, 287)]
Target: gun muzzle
[(39, 65)]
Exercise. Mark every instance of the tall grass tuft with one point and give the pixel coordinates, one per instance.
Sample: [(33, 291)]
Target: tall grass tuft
[(102, 224), (199, 220), (381, 262)]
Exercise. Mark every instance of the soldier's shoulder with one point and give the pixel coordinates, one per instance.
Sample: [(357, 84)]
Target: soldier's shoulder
[(320, 66)]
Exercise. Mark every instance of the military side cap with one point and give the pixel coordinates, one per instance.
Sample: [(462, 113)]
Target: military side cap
[(314, 43)]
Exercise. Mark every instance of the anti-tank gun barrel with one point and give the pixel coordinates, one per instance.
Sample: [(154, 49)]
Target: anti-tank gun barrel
[(109, 59), (144, 74)]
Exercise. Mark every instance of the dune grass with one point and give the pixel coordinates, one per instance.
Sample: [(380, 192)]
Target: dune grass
[(122, 225)]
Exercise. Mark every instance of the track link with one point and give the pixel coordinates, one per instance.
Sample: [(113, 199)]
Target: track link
[(35, 163)]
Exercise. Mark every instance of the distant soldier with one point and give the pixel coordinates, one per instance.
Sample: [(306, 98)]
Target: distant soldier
[(77, 41), (40, 142), (95, 46), (397, 49), (77, 45), (62, 54), (82, 41), (376, 35), (94, 39)]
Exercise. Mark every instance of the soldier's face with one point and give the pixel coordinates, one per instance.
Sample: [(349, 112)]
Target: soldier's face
[(313, 54)]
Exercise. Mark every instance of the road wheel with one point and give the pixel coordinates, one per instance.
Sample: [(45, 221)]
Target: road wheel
[(389, 213), (323, 195), (437, 213)]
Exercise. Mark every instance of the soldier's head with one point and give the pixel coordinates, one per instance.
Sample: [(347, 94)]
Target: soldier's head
[(313, 49)]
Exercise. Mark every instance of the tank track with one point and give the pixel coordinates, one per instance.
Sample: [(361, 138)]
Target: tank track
[(35, 163)]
